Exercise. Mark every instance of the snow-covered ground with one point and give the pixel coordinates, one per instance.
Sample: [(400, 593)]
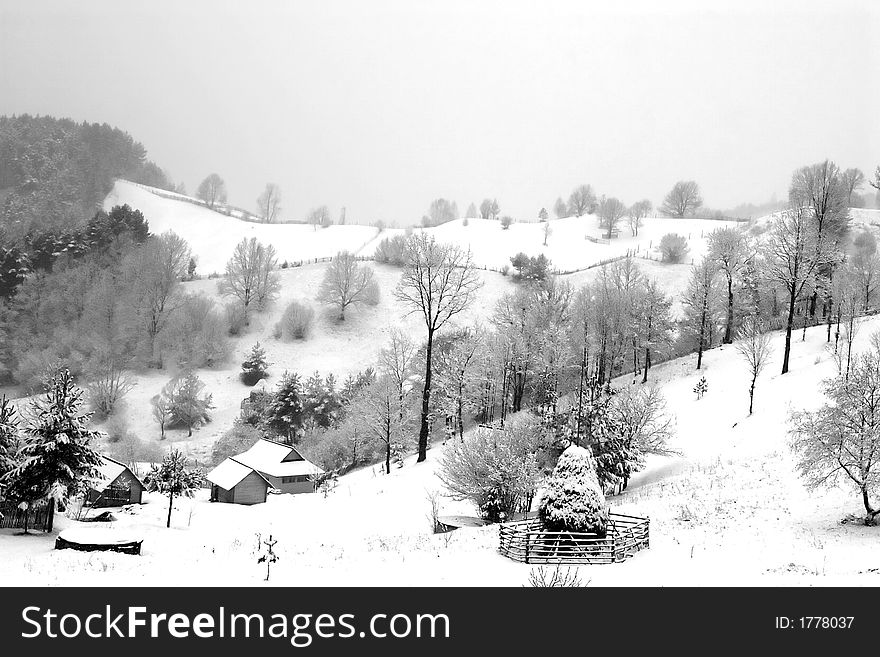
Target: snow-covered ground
[(212, 235), (729, 511)]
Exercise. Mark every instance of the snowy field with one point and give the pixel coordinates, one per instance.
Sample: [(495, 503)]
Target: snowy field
[(729, 511), (212, 235)]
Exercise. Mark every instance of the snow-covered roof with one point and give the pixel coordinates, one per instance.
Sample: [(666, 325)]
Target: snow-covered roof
[(109, 470), (277, 460), (229, 474)]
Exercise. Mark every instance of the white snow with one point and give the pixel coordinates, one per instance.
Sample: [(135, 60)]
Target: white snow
[(729, 511)]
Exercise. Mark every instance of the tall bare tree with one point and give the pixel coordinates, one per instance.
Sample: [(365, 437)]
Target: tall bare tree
[(793, 254), (269, 203), (439, 282), (155, 273), (728, 248), (348, 283), (396, 363), (319, 216), (683, 199), (250, 275), (637, 213), (700, 304), (212, 190)]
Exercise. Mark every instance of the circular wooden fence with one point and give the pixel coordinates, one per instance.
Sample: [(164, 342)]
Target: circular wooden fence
[(528, 542)]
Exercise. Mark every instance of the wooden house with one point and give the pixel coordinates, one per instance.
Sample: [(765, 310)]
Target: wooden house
[(235, 483), (116, 486)]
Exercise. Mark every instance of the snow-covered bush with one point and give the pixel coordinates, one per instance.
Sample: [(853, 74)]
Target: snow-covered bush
[(573, 500), (495, 469), (296, 322), (673, 247), (236, 317)]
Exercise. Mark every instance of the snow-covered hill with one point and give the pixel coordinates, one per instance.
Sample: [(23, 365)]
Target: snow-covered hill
[(729, 511), (212, 235)]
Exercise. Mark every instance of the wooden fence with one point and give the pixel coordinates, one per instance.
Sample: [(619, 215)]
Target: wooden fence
[(39, 517), (527, 541)]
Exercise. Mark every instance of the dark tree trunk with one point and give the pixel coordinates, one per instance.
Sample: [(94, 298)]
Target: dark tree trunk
[(788, 327), (388, 456), (647, 364), (752, 393), (426, 398), (728, 331), (170, 506), (700, 342)]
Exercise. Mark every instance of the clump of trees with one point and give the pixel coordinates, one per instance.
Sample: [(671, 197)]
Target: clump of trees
[(530, 268), (581, 201), (391, 251), (181, 403), (496, 469), (440, 212), (636, 215)]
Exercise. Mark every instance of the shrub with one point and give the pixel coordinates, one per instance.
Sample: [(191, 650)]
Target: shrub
[(528, 268), (673, 247), (493, 468), (296, 322), (506, 220), (392, 251), (236, 317), (573, 500)]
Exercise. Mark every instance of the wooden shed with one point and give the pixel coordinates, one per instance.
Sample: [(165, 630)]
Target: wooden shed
[(235, 483), (116, 486)]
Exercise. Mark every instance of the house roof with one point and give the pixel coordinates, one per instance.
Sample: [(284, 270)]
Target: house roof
[(230, 473), (109, 470), (276, 460)]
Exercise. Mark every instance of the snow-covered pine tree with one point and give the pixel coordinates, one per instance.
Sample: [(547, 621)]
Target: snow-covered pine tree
[(9, 438), (573, 500), (172, 478), (187, 404), (56, 458), (285, 412), (255, 366)]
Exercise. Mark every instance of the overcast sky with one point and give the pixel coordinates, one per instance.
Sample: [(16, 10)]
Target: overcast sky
[(382, 106)]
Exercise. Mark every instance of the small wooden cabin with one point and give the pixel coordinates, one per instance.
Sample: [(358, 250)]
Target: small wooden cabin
[(281, 465), (235, 483), (117, 485)]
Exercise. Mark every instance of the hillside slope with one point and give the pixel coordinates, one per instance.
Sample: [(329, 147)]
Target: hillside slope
[(728, 511)]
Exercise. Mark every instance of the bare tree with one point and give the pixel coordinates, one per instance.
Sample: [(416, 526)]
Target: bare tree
[(793, 254), (377, 407), (161, 412), (212, 190), (637, 213), (319, 216), (560, 209), (109, 383), (269, 203), (699, 304), (155, 272), (396, 363), (439, 281), (441, 211), (581, 201), (820, 187), (456, 378), (548, 231), (683, 199), (348, 283), (611, 211), (753, 343), (852, 180), (728, 248), (250, 275)]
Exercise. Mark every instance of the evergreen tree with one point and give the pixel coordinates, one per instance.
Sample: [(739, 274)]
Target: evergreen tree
[(187, 405), (285, 412), (171, 478), (56, 458), (9, 438), (573, 500), (255, 367)]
